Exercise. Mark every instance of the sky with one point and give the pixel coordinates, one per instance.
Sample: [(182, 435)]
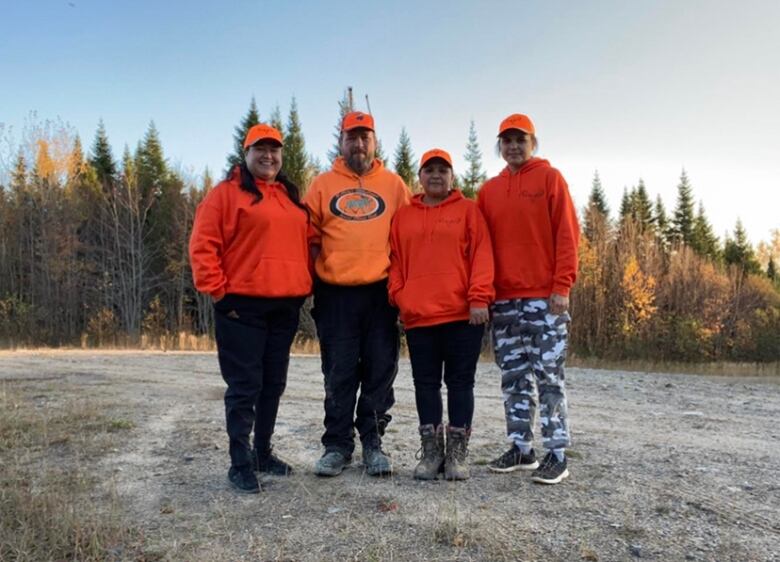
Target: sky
[(631, 89)]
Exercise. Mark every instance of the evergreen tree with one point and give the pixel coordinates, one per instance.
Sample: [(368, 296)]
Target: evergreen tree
[(596, 212), (661, 220), (404, 160), (251, 119), (682, 223), (276, 120), (19, 176), (738, 251), (380, 152), (344, 108), (151, 167), (475, 176), (101, 158), (294, 157), (597, 196), (642, 208), (703, 239), (626, 207), (771, 270)]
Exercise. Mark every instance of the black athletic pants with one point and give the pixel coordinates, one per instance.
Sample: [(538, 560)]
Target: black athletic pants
[(254, 336), (359, 342), (453, 347)]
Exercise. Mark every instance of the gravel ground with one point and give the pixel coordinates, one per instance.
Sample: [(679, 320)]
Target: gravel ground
[(663, 467)]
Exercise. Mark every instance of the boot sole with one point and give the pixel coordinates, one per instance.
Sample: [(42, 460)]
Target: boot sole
[(241, 490), (532, 466), (540, 480)]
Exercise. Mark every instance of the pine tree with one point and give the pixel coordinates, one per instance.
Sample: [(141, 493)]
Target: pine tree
[(642, 208), (682, 223), (475, 175), (276, 120), (251, 119), (771, 269), (19, 176), (626, 207), (661, 220), (738, 251), (597, 196), (294, 157), (151, 167), (596, 212), (404, 160), (101, 158), (344, 108), (703, 239)]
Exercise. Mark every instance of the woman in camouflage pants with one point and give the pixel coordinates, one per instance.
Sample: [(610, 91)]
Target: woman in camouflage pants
[(533, 225)]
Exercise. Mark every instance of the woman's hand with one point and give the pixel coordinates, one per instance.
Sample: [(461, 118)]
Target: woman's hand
[(558, 303), (478, 316)]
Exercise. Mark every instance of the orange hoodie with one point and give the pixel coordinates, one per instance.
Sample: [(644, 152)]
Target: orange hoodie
[(256, 250), (441, 261), (351, 217), (534, 230)]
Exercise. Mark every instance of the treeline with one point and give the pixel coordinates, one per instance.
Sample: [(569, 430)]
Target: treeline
[(94, 252), (661, 286)]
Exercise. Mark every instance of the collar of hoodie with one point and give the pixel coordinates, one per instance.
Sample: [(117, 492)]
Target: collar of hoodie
[(431, 213), (516, 178)]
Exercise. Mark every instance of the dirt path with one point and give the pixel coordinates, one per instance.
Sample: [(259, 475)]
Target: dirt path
[(664, 467)]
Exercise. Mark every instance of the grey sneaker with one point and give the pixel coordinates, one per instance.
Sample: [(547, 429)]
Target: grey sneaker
[(331, 463), (377, 463)]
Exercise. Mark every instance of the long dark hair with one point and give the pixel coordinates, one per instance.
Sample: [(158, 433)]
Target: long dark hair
[(248, 184)]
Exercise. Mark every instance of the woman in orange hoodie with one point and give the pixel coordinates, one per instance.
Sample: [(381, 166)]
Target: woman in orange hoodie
[(535, 236), (441, 279), (249, 251)]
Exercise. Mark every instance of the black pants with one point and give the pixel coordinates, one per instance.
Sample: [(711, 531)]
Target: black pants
[(254, 336), (359, 342), (454, 347)]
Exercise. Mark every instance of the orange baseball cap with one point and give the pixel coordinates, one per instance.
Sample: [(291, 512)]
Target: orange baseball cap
[(262, 132), (517, 121), (357, 120), (435, 153)]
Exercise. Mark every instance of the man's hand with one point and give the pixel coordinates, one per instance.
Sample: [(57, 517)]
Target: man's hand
[(558, 303), (478, 316)]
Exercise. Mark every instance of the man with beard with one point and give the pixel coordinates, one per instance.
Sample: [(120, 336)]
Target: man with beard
[(351, 208)]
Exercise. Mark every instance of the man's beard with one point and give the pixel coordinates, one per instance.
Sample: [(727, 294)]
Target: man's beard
[(359, 163)]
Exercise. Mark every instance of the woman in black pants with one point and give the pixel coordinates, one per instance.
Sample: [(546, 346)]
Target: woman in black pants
[(249, 252), (441, 279)]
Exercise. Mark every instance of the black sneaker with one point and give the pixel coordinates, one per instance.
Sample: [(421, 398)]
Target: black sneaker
[(243, 479), (269, 463), (513, 460), (552, 470)]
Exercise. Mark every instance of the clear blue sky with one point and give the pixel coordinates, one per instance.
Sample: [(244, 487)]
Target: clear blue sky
[(633, 89)]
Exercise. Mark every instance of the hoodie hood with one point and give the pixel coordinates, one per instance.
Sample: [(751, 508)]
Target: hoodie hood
[(340, 167), (529, 165), (453, 196), (431, 213)]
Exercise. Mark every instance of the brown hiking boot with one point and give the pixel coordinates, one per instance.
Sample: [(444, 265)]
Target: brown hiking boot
[(432, 449), (455, 465)]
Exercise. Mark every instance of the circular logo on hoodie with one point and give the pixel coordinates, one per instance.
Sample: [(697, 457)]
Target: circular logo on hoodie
[(357, 205)]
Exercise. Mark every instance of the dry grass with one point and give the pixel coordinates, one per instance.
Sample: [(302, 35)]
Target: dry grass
[(52, 506), (723, 368)]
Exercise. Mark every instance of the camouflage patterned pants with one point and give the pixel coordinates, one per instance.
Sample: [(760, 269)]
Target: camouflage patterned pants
[(530, 345)]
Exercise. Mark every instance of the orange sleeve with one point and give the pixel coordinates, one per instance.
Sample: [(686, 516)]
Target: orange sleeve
[(206, 247), (313, 199), (395, 279), (481, 292), (566, 234)]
